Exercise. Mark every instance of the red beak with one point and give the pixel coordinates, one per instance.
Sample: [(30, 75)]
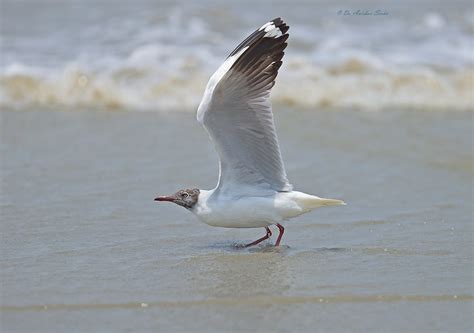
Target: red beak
[(165, 198)]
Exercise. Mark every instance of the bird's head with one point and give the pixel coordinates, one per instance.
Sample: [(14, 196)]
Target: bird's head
[(186, 198)]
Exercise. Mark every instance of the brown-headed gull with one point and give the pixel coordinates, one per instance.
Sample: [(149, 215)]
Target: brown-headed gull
[(253, 190)]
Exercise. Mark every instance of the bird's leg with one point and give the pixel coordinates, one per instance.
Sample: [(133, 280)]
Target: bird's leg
[(282, 230), (269, 233)]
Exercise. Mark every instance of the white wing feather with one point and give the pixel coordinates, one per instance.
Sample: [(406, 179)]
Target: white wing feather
[(237, 114)]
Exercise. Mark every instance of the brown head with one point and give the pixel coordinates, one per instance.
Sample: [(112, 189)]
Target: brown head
[(186, 198)]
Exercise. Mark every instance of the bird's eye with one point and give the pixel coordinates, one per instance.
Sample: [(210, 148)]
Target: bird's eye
[(185, 195)]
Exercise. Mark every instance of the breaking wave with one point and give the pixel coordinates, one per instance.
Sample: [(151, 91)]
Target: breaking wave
[(163, 63), (352, 83)]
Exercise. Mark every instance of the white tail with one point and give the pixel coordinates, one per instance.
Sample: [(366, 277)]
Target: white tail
[(309, 202)]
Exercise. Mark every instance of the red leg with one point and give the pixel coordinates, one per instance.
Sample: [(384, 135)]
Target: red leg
[(269, 233), (282, 230)]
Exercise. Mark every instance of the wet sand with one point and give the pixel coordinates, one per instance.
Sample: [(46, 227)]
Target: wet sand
[(85, 247)]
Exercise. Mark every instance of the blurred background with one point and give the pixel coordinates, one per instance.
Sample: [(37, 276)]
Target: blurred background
[(373, 105), (158, 55)]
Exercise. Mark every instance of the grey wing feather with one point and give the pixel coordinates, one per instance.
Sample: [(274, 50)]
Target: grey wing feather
[(237, 113)]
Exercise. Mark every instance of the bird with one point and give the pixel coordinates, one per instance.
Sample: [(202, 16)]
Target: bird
[(253, 190)]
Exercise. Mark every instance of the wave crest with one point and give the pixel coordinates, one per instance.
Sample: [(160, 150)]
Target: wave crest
[(353, 82)]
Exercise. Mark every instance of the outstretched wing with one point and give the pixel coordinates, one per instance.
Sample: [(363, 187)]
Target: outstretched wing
[(237, 114)]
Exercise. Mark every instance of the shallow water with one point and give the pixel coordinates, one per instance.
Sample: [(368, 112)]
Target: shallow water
[(85, 247)]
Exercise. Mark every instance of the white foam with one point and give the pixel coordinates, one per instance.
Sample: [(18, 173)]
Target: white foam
[(434, 21), (166, 65), (358, 82)]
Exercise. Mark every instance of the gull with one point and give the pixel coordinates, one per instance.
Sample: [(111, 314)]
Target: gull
[(253, 190)]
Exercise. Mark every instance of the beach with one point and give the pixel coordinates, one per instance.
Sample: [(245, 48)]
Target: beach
[(85, 247), (93, 132)]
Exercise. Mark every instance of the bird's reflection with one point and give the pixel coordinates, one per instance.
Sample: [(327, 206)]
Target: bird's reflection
[(259, 271)]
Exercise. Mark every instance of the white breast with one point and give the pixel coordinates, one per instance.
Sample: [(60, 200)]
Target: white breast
[(246, 212)]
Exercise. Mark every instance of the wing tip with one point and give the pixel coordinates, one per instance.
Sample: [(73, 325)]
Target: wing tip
[(275, 28), (279, 23)]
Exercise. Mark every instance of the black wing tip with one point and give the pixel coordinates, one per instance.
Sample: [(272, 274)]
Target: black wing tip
[(280, 24), (265, 50), (260, 33)]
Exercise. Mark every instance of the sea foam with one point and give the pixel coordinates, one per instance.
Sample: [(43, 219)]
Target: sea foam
[(154, 62)]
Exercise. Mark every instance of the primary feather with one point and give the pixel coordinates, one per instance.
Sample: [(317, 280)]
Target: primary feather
[(237, 114)]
